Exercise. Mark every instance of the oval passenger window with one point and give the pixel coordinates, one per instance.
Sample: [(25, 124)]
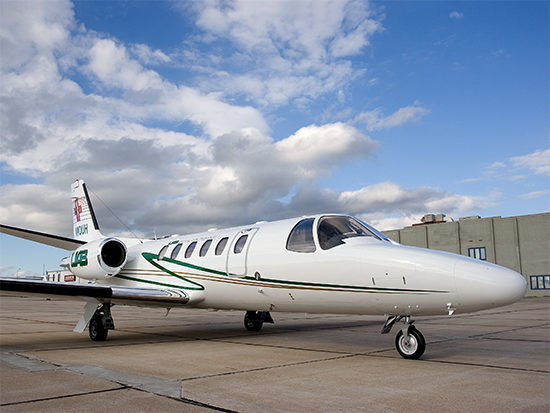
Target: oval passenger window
[(221, 245), (205, 247), (190, 249)]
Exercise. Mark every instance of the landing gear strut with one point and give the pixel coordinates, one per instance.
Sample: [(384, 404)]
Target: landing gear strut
[(254, 320), (101, 323), (409, 342)]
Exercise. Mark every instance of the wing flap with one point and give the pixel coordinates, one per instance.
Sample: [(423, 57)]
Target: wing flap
[(145, 297)]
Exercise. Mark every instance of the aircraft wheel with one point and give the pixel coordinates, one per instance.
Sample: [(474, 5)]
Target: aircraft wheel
[(96, 329), (252, 325), (414, 348)]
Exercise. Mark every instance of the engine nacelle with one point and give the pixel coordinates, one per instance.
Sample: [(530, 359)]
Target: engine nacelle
[(99, 259)]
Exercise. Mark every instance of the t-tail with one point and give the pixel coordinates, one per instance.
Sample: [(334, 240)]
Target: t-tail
[(85, 226)]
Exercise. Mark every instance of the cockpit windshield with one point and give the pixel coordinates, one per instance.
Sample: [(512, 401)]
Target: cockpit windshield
[(333, 230)]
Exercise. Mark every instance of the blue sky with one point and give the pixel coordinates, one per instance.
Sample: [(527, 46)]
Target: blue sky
[(183, 116)]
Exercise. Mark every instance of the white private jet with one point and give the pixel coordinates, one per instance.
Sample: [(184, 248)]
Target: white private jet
[(312, 264)]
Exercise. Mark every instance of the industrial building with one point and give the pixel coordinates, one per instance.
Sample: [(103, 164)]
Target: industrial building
[(520, 243)]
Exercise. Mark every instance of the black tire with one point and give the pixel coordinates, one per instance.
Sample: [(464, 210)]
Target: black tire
[(252, 325), (96, 329), (416, 346)]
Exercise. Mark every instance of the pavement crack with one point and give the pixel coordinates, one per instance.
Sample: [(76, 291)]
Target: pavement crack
[(62, 397), (463, 363), (279, 366)]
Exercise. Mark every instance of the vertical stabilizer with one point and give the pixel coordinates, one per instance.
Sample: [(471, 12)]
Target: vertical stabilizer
[(85, 225)]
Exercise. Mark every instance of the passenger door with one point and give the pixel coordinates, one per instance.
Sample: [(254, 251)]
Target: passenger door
[(238, 252)]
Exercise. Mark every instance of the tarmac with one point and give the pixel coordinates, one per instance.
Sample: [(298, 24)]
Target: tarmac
[(199, 361)]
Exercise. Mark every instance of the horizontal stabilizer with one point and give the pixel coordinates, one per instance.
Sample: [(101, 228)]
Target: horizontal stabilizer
[(146, 297), (43, 238)]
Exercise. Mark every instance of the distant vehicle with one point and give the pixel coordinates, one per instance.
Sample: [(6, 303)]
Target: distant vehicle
[(313, 264)]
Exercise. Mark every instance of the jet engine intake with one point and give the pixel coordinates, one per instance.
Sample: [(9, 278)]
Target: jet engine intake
[(99, 259)]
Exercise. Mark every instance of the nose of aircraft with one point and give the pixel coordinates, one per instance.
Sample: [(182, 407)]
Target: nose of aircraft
[(482, 285)]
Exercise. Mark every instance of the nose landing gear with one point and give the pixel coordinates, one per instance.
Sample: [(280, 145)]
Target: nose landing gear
[(409, 342)]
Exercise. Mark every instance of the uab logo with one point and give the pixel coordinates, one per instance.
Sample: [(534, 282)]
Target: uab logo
[(79, 258)]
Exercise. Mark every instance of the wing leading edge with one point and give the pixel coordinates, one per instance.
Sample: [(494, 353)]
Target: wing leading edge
[(146, 297), (43, 238)]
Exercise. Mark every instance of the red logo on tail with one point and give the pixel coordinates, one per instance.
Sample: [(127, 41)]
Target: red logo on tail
[(77, 209)]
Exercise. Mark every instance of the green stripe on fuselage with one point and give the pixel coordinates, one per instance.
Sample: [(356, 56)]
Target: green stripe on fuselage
[(150, 257)]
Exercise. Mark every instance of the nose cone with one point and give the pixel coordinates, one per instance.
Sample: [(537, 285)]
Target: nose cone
[(482, 285)]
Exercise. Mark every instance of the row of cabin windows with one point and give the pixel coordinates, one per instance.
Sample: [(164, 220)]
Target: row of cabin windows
[(220, 247)]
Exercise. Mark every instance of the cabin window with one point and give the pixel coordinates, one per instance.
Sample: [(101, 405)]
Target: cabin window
[(301, 237), (205, 247), (239, 245), (332, 231), (190, 249), (176, 251), (162, 252), (221, 245)]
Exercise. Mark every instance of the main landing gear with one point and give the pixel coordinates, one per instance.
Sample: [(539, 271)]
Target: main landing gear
[(101, 323), (409, 342), (254, 320)]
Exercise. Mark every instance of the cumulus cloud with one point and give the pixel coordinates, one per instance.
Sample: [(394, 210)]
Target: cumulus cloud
[(148, 56), (392, 198), (171, 157), (289, 52), (325, 144)]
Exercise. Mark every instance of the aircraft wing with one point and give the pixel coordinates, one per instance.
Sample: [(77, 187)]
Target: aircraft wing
[(146, 297), (43, 238)]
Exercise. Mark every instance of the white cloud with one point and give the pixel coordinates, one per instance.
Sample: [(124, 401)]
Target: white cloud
[(289, 52), (375, 120), (391, 198), (225, 169), (310, 28), (456, 15), (328, 143), (114, 68), (535, 194), (147, 56), (538, 162)]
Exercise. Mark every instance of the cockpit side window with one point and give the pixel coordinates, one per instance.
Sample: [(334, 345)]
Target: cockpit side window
[(332, 231), (301, 237)]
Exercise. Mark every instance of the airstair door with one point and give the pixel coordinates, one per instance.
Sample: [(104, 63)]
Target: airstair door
[(238, 252)]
